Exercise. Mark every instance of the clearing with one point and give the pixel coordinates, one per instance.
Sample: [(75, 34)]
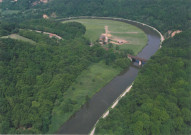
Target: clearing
[(130, 36), (18, 37)]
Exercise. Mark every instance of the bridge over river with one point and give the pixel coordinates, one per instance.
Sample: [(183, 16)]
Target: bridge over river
[(140, 60), (84, 120)]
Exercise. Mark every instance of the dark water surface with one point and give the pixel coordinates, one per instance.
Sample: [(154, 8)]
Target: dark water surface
[(83, 121)]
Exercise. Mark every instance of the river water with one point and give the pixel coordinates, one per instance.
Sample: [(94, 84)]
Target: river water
[(83, 121)]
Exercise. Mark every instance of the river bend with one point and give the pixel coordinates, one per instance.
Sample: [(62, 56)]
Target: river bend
[(83, 121)]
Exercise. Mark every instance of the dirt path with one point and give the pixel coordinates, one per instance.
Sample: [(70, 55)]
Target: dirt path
[(106, 30), (48, 33), (115, 40), (175, 32), (124, 32)]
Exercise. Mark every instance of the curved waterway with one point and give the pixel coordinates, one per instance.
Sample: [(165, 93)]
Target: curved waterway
[(84, 120)]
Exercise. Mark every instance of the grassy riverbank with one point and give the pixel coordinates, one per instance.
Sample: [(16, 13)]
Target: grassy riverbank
[(159, 102), (97, 75), (87, 84)]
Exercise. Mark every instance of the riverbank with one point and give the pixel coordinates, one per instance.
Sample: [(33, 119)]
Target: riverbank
[(129, 88), (88, 83), (111, 107), (83, 121), (95, 77), (145, 110), (117, 19)]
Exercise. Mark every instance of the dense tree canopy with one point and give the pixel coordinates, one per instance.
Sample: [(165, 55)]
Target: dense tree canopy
[(159, 102), (18, 5), (33, 76), (65, 30), (7, 28), (162, 14)]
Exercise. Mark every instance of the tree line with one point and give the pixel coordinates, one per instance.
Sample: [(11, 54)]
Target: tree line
[(159, 102), (164, 15), (33, 76)]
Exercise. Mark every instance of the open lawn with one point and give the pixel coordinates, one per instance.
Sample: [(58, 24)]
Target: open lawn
[(18, 37), (87, 84), (136, 38)]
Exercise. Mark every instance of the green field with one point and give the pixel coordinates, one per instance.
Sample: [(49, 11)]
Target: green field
[(9, 12), (136, 38), (87, 84), (18, 37)]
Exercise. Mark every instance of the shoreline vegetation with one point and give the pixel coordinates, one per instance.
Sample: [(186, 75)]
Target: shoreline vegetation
[(88, 83), (106, 113), (48, 87), (181, 111), (35, 77), (92, 132)]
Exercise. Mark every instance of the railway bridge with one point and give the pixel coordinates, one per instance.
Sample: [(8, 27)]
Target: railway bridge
[(141, 61)]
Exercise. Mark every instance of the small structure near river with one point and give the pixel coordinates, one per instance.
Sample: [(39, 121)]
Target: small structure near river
[(141, 61), (107, 38)]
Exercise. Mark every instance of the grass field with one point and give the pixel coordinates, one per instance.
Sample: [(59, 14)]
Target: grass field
[(87, 84), (18, 37), (95, 27), (9, 12)]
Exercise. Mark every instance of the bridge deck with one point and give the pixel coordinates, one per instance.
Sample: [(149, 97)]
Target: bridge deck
[(137, 58)]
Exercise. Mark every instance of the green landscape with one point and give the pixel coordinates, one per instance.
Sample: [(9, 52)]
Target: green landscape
[(45, 79), (81, 71), (160, 105), (85, 86), (18, 37), (136, 38)]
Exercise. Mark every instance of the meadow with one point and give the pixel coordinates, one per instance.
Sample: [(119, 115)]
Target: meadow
[(9, 12), (86, 85), (136, 38), (18, 37)]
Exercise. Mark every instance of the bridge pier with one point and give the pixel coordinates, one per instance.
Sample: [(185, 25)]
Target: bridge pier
[(140, 63), (139, 60)]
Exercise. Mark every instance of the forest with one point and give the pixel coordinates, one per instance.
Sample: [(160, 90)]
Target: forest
[(19, 5), (66, 30), (162, 14), (159, 102), (34, 76)]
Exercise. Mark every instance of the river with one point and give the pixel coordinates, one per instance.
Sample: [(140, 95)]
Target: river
[(84, 120)]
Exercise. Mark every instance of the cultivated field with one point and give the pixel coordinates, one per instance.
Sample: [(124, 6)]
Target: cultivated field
[(135, 37)]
